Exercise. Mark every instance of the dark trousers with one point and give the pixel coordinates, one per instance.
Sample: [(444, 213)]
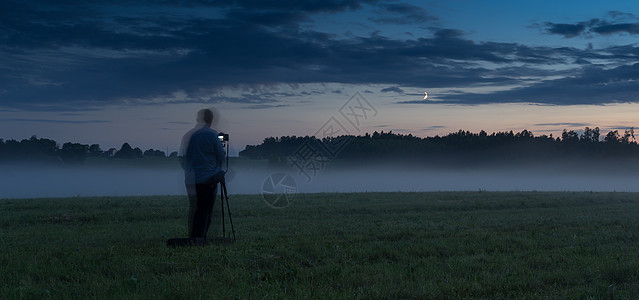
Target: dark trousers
[(205, 196)]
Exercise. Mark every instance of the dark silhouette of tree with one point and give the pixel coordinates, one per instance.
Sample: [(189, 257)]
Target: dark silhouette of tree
[(524, 134), (127, 152), (137, 153), (627, 135), (612, 137), (154, 153), (569, 136), (94, 150), (35, 147), (32, 149), (74, 153), (462, 147), (590, 135)]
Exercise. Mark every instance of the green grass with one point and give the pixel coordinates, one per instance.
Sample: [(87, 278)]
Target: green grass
[(328, 246)]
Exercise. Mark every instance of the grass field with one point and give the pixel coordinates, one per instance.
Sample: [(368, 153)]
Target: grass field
[(364, 245)]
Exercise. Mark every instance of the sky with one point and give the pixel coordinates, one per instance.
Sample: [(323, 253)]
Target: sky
[(109, 72)]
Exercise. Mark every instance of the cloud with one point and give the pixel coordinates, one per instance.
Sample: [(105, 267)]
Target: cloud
[(623, 128), (607, 28), (54, 121), (563, 124), (594, 85), (295, 5), (621, 23), (84, 55), (433, 127), (92, 62), (402, 13), (567, 30), (394, 89)]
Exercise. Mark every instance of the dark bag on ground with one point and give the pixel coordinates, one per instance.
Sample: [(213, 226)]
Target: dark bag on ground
[(182, 242)]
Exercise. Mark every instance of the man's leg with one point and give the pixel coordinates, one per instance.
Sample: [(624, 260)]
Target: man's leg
[(209, 209), (202, 217), (192, 195), (212, 183)]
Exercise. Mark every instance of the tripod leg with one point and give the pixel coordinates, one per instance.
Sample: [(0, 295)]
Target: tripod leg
[(222, 192), (228, 207)]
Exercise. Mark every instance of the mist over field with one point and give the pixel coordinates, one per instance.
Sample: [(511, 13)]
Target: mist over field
[(29, 181)]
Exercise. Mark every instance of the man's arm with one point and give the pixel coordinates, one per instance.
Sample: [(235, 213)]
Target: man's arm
[(182, 161), (184, 145)]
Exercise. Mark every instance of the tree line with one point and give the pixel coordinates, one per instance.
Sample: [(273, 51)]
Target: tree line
[(462, 146), (48, 150)]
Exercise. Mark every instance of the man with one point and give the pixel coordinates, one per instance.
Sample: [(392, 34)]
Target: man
[(202, 157)]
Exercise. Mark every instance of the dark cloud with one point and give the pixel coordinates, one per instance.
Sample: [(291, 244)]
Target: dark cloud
[(607, 28), (594, 26), (593, 85), (434, 127), (403, 13), (395, 89), (623, 128), (615, 23), (567, 30), (54, 121), (79, 54), (563, 124), (294, 5), (156, 56)]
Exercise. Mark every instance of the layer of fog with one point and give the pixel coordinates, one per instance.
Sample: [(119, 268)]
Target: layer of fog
[(35, 182)]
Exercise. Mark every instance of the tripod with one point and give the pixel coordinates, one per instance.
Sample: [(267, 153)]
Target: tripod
[(224, 197)]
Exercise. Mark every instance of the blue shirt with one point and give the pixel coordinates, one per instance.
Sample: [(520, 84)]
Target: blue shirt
[(204, 156)]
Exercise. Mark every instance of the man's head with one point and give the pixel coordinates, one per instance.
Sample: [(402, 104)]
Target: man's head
[(205, 116)]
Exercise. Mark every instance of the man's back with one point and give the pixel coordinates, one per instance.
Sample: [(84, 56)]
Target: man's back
[(204, 155)]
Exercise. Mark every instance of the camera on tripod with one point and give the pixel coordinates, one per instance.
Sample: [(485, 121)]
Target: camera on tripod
[(223, 137)]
